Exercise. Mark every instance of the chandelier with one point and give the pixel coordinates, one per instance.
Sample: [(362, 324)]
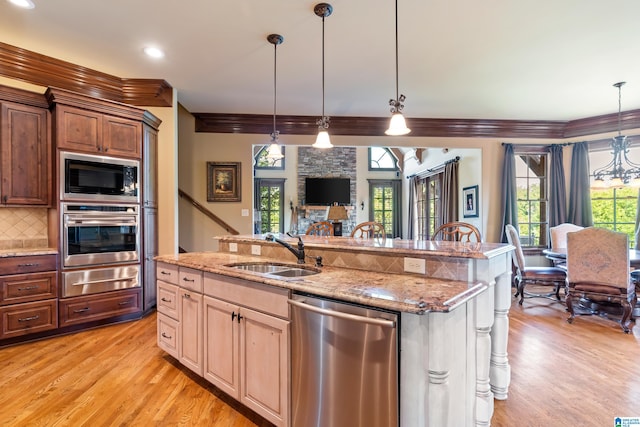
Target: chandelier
[(620, 171)]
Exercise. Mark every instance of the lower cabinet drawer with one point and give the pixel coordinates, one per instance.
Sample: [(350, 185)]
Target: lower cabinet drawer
[(28, 318), (168, 334), (99, 306), (28, 287)]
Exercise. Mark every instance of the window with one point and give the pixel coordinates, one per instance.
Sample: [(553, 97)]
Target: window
[(385, 207), (262, 162), (614, 208), (532, 198), (427, 206), (270, 204), (382, 159)]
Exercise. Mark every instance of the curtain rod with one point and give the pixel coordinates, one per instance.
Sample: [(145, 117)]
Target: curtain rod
[(429, 172)]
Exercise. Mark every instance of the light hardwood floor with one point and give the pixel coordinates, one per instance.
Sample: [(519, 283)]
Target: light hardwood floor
[(582, 374)]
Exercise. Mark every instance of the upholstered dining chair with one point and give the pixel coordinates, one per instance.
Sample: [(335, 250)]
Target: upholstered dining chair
[(547, 276), (457, 232), (598, 272), (320, 228), (369, 230), (559, 234)]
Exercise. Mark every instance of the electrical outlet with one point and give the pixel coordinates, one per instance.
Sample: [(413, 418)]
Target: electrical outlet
[(233, 247), (415, 265), (244, 212), (255, 249)]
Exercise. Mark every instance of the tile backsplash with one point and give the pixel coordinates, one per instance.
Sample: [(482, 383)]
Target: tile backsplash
[(23, 228)]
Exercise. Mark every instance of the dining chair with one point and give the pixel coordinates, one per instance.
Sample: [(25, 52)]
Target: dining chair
[(545, 276), (320, 228), (559, 234), (369, 230), (598, 272), (457, 232)]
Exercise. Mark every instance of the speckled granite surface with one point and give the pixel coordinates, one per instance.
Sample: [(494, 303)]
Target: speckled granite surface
[(388, 246), (399, 292), (6, 253)]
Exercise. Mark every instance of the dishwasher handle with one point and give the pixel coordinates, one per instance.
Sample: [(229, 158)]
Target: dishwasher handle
[(341, 315)]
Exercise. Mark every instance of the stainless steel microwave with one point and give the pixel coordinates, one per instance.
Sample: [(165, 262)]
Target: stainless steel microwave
[(98, 178)]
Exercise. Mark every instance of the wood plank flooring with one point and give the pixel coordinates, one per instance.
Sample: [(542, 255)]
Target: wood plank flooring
[(583, 374)]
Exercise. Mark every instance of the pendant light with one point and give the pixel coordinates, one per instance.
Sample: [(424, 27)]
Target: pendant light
[(397, 125), (274, 152), (322, 140)]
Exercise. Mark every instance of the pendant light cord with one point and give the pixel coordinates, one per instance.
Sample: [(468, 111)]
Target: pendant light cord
[(323, 68), (619, 108), (397, 91), (275, 93)]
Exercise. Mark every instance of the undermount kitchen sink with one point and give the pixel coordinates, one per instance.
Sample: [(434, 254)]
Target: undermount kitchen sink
[(273, 269)]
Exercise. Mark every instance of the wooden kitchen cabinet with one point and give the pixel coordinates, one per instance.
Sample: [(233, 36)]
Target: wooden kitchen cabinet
[(190, 335), (93, 307), (25, 149), (247, 351), (168, 316), (29, 296), (78, 129)]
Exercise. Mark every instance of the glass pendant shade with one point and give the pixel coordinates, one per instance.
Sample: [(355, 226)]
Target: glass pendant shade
[(322, 140), (397, 126), (274, 152)]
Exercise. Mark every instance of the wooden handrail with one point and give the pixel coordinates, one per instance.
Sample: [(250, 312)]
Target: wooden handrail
[(208, 213)]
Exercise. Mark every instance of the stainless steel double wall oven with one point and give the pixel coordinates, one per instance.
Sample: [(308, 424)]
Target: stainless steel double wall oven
[(99, 223)]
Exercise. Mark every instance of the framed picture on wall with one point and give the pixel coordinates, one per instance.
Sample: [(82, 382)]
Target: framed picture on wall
[(470, 197), (223, 182)]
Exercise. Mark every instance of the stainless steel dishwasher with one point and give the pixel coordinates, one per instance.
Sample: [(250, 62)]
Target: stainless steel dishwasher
[(344, 364)]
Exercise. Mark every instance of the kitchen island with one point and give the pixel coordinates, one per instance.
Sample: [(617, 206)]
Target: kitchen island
[(454, 317)]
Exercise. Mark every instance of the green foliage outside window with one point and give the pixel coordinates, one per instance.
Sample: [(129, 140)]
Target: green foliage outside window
[(615, 209)]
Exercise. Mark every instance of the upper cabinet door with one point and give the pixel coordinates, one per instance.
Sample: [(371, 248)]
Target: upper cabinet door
[(122, 137), (26, 155), (78, 129)]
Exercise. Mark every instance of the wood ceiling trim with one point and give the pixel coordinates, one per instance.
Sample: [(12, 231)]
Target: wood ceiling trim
[(42, 70), (420, 127)]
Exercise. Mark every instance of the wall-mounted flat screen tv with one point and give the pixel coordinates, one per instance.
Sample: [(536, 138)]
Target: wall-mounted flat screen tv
[(327, 191)]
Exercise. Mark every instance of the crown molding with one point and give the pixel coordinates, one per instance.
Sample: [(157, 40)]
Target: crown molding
[(31, 67), (420, 127)]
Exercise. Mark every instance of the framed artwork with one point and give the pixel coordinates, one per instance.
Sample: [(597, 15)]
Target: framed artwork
[(470, 197), (223, 182)]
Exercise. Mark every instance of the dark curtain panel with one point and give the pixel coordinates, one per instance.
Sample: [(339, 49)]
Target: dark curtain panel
[(579, 195), (449, 203), (509, 194), (557, 188), (413, 183)]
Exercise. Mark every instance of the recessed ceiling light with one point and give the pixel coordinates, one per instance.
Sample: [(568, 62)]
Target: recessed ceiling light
[(26, 4), (153, 52)]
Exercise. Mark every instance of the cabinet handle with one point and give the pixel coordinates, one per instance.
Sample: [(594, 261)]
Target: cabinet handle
[(165, 300), (233, 315), (29, 264), (82, 310), (121, 303), (187, 295), (27, 319), (165, 272), (28, 288), (166, 336), (186, 279)]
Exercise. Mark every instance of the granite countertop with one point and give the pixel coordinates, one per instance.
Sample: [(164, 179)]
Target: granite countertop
[(7, 253), (398, 292), (477, 250)]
